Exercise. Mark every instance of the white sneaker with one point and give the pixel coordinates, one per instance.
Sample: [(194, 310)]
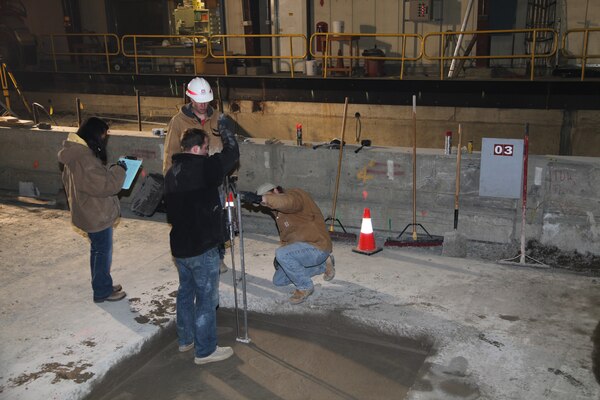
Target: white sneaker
[(221, 353), (183, 349)]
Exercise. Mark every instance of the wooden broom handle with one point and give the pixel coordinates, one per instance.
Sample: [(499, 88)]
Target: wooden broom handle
[(339, 168)]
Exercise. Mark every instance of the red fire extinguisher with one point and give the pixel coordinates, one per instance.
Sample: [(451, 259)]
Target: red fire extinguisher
[(322, 27)]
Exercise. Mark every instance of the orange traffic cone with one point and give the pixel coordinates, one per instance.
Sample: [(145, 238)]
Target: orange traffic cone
[(366, 241)]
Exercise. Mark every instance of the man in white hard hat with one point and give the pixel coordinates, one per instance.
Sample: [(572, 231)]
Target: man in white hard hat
[(196, 114), (306, 245)]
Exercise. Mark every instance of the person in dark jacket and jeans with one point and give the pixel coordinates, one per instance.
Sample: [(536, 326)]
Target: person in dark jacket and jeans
[(198, 113), (92, 190), (195, 213)]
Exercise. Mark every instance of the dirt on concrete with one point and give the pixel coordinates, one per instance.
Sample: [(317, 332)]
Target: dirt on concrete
[(288, 357), (569, 260)]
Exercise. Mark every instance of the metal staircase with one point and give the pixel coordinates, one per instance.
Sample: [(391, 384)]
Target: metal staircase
[(540, 14)]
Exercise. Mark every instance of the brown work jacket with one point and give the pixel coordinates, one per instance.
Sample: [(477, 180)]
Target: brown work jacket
[(299, 219), (180, 122)]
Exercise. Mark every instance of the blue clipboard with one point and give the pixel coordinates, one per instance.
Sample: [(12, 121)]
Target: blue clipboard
[(133, 166)]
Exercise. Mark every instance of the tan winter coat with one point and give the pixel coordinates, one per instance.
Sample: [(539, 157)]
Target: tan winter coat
[(91, 187), (298, 218), (180, 122)]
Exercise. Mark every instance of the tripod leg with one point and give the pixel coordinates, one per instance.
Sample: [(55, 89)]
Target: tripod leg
[(229, 206), (244, 339)]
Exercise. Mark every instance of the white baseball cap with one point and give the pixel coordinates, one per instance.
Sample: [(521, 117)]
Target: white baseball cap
[(264, 188)]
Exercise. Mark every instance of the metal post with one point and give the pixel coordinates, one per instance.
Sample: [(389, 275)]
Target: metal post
[(245, 338), (139, 111), (34, 113), (78, 110), (460, 38), (524, 200), (229, 206), (414, 169), (106, 54)]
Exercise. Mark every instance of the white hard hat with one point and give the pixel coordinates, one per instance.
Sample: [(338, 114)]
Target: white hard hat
[(265, 188), (199, 90)]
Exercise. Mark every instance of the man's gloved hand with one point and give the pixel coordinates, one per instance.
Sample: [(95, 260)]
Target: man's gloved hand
[(250, 197), (224, 123), (122, 164), (224, 128)]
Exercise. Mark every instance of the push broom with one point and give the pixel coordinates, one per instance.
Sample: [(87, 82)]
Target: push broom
[(339, 236), (414, 240)]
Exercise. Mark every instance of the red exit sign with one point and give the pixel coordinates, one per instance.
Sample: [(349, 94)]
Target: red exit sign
[(504, 150)]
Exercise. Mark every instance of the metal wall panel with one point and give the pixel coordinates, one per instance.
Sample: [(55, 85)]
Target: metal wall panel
[(501, 168)]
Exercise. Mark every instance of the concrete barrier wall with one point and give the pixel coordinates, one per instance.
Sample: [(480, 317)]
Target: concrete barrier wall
[(385, 125), (563, 192)]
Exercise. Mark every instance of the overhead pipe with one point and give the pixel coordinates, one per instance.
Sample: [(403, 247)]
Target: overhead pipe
[(460, 38), (274, 15), (78, 110)]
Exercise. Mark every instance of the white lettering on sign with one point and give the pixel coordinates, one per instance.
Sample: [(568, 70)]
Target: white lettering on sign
[(503, 150)]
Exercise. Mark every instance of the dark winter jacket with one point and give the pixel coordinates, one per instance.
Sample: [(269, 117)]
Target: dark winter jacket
[(91, 187), (194, 207)]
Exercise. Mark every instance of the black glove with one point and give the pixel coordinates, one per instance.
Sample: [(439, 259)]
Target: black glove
[(250, 197), (225, 131), (223, 123), (122, 164)]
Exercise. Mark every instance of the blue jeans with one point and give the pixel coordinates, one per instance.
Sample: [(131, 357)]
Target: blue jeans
[(100, 260), (197, 299), (298, 263)]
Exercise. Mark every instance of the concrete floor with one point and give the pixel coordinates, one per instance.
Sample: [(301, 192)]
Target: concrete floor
[(289, 357), (493, 331)]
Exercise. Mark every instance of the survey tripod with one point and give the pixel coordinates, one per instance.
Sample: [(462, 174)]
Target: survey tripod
[(234, 223)]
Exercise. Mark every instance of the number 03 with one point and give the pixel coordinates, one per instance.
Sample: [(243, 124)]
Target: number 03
[(503, 149)]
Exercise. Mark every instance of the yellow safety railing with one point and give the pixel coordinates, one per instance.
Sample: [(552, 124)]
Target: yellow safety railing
[(86, 49), (535, 35), (192, 42), (201, 47), (223, 39), (584, 56), (326, 38)]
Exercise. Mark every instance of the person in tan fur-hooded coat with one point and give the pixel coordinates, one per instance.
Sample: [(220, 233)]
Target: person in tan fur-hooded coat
[(92, 189)]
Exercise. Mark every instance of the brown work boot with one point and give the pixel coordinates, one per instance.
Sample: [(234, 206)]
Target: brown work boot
[(300, 295), (329, 268), (223, 267), (114, 296)]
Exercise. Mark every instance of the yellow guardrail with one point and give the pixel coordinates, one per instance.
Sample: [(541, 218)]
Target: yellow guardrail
[(86, 49), (584, 56), (223, 39), (326, 38), (535, 35), (201, 47), (195, 43)]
